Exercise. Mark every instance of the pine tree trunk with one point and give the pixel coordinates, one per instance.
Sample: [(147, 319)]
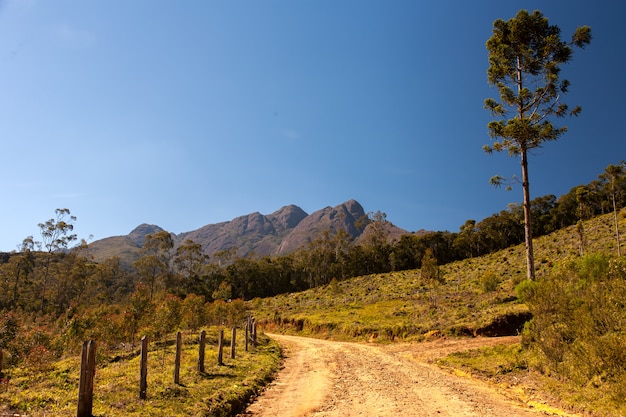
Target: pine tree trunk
[(528, 233), (530, 259)]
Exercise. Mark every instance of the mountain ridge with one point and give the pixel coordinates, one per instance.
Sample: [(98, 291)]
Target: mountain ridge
[(279, 233)]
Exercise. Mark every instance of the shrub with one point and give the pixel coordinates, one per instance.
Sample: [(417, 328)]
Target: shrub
[(524, 290), (194, 312), (579, 320), (489, 282)]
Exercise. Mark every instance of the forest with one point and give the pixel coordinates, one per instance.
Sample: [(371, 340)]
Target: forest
[(53, 296)]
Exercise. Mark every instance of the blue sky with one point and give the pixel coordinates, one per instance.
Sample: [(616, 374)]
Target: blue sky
[(186, 113)]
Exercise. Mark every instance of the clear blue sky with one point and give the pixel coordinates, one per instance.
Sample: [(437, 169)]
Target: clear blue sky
[(185, 113)]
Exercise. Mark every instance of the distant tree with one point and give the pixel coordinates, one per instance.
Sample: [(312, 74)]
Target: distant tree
[(465, 241), (245, 278), (167, 315), (541, 210), (500, 230), (193, 312), (23, 263), (431, 274), (224, 292), (376, 243), (56, 236), (115, 281), (140, 307), (326, 257), (612, 175), (189, 262), (407, 253), (583, 198), (154, 264), (525, 54), (225, 257), (564, 213), (8, 329)]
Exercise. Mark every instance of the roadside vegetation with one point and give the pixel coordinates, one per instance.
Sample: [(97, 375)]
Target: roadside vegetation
[(53, 296), (571, 319), (564, 291), (572, 351), (49, 387)]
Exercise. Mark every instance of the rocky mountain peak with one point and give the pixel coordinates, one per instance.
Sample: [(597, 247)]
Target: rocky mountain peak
[(139, 233), (284, 231)]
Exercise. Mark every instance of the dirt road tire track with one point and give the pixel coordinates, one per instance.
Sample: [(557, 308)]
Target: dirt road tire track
[(325, 378)]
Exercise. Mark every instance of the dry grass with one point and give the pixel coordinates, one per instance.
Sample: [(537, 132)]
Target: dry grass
[(397, 305), (220, 390)]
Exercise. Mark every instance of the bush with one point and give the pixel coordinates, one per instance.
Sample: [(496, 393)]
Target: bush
[(525, 289), (579, 320), (489, 282)]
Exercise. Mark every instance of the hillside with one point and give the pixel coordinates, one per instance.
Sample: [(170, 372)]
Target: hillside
[(477, 298), (279, 233)]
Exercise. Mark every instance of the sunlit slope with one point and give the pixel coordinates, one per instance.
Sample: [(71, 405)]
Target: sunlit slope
[(477, 298)]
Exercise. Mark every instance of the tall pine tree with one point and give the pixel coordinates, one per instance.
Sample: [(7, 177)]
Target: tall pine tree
[(525, 55)]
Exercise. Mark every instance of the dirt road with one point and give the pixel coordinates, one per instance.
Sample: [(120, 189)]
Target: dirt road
[(324, 378)]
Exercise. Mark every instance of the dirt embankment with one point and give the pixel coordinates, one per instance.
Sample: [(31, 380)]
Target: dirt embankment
[(325, 378)]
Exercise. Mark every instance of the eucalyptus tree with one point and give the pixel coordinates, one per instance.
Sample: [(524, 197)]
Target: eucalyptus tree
[(525, 58), (612, 175), (376, 243), (189, 262), (584, 211), (154, 264), (23, 264), (465, 241), (431, 275), (56, 236)]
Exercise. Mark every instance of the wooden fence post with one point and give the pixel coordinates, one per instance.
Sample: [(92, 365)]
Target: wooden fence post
[(201, 351), (247, 332), (87, 372), (177, 360), (233, 338), (253, 333), (220, 343), (143, 372)]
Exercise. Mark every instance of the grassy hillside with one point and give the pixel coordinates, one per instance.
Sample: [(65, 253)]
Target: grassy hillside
[(120, 246), (478, 296), (44, 388)]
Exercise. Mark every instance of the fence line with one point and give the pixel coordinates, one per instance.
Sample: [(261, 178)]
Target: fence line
[(88, 363)]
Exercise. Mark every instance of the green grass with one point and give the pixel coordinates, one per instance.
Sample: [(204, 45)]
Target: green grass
[(478, 292), (220, 391), (382, 307), (515, 370), (396, 305), (390, 306)]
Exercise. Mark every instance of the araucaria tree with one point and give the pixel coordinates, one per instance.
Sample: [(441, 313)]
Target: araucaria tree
[(525, 55)]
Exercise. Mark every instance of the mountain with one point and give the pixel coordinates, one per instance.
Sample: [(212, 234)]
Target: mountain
[(254, 233), (342, 217), (282, 232)]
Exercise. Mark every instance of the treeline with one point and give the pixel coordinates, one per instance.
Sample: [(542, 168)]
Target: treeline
[(48, 278), (54, 292)]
